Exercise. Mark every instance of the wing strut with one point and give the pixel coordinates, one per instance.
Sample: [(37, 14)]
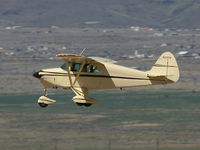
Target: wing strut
[(68, 70), (82, 94), (77, 76), (78, 91)]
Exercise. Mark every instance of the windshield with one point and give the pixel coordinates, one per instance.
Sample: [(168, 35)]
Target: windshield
[(63, 66)]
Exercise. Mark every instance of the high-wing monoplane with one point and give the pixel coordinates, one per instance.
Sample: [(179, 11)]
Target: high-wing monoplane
[(81, 74)]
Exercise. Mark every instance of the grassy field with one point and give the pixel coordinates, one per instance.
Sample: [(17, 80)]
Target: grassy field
[(127, 120)]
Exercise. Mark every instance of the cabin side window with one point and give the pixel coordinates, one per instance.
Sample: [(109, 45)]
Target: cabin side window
[(75, 67), (94, 69), (85, 68)]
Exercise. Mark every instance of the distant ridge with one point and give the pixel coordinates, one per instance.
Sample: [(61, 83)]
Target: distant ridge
[(101, 13)]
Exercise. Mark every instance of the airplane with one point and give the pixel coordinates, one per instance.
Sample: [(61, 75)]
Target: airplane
[(81, 74)]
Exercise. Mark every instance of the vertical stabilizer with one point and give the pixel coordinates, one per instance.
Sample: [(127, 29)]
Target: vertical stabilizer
[(166, 68)]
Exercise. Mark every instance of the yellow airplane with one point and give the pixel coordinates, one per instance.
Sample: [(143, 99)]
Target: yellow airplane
[(81, 74)]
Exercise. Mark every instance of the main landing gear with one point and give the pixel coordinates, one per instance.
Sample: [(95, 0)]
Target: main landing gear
[(84, 104), (44, 101), (42, 105), (45, 92)]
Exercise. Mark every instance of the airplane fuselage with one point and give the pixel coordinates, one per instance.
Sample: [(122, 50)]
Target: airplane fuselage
[(81, 74), (108, 77)]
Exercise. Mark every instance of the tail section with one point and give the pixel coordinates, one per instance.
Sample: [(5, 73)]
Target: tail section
[(165, 69)]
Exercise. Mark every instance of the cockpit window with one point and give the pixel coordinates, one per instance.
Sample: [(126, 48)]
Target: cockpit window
[(86, 68)]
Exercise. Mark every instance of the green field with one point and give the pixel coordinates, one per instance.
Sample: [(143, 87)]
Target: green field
[(127, 120)]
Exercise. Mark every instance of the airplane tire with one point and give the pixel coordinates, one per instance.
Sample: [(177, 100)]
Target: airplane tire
[(79, 104), (87, 104), (43, 105)]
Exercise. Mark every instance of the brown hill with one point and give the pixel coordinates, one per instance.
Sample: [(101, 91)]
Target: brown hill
[(105, 13)]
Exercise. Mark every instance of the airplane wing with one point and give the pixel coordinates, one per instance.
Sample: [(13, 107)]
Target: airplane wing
[(78, 59), (104, 60)]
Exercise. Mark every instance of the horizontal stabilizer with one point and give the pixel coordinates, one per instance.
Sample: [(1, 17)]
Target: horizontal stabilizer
[(160, 78)]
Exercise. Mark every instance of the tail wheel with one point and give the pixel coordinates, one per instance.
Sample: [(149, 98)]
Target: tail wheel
[(43, 105)]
